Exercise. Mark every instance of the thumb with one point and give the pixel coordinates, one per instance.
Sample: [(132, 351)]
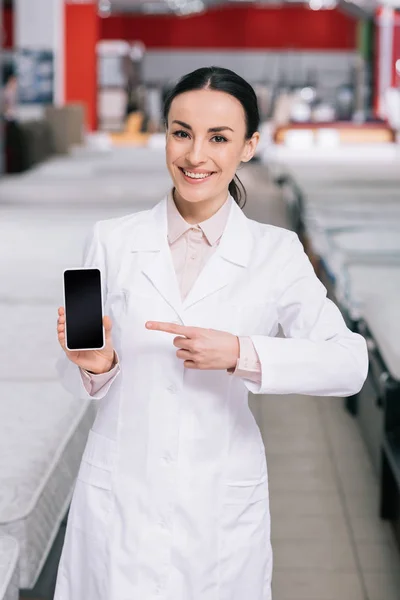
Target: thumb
[(107, 326)]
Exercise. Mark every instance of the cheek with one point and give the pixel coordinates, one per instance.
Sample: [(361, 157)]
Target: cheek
[(228, 160), (172, 150)]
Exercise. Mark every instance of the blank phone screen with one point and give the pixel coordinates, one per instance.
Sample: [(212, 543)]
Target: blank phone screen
[(83, 309)]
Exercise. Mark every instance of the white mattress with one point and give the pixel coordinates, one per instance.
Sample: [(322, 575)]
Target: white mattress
[(365, 211), (339, 194), (85, 163), (132, 178), (350, 163), (372, 159), (9, 576), (358, 247), (363, 246), (106, 190), (365, 281), (320, 227), (381, 312), (366, 243), (320, 217), (40, 453)]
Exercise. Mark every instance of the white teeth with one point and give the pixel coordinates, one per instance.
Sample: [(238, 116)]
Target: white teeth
[(196, 175)]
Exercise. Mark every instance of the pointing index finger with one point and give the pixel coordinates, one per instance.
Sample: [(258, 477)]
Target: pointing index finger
[(170, 328)]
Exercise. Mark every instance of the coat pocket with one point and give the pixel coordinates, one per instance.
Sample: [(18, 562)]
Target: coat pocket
[(245, 492), (245, 559), (84, 565), (93, 491)]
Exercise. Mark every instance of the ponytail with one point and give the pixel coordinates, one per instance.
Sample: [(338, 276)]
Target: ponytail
[(239, 195)]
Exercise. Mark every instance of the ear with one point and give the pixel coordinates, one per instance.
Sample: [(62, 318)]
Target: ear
[(250, 147)]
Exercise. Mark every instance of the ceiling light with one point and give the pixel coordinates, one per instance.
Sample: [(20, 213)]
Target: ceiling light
[(104, 8), (316, 4), (308, 94)]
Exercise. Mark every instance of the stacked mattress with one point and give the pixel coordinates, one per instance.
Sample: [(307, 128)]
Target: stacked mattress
[(92, 181), (360, 247), (351, 220), (350, 217), (40, 452), (9, 576), (363, 282)]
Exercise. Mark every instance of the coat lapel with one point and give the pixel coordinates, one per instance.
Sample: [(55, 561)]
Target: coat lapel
[(229, 259), (231, 256), (151, 242)]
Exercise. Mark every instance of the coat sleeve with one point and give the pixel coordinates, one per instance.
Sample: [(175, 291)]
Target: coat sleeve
[(69, 374), (319, 355)]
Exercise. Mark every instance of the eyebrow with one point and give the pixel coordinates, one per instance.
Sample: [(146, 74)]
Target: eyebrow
[(210, 130)]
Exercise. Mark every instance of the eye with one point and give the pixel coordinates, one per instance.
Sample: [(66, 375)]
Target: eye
[(221, 138), (176, 133)]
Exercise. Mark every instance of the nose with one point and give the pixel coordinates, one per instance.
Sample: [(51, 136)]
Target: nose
[(197, 154)]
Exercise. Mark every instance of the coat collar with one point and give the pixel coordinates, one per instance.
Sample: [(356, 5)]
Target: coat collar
[(150, 237), (235, 244), (212, 228)]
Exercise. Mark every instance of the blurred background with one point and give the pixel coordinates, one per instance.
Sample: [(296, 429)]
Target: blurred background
[(82, 139)]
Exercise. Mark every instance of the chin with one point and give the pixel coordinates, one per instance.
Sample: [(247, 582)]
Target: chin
[(190, 195)]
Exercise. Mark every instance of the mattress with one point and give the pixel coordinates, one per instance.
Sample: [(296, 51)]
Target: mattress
[(352, 210), (363, 246), (367, 244), (40, 453), (95, 191), (84, 162), (134, 179), (350, 167), (320, 226), (381, 313), (9, 576), (363, 193), (365, 281)]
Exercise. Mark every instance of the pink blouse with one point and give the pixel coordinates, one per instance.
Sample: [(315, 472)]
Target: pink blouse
[(191, 246)]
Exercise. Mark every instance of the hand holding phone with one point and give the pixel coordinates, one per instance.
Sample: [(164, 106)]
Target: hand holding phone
[(95, 361), (83, 332)]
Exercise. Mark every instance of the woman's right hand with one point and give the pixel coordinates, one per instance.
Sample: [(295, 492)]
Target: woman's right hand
[(95, 361)]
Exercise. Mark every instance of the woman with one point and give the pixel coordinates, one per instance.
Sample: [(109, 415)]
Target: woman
[(171, 500)]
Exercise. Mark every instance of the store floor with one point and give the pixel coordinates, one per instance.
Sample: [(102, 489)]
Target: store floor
[(328, 541)]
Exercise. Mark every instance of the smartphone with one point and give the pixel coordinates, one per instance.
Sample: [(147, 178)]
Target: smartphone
[(83, 305)]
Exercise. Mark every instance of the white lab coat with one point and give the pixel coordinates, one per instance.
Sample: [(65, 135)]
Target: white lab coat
[(171, 500)]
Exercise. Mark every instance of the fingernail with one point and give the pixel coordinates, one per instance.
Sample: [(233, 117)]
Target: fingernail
[(149, 325)]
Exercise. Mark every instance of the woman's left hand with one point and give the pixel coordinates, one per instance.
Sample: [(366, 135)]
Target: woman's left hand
[(202, 348)]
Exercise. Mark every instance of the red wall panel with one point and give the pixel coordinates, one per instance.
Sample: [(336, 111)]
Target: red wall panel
[(8, 28), (81, 37), (251, 27), (396, 49)]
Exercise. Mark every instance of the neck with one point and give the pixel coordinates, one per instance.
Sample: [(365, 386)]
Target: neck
[(197, 212)]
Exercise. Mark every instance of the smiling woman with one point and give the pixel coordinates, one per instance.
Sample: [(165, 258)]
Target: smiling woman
[(211, 119), (172, 499)]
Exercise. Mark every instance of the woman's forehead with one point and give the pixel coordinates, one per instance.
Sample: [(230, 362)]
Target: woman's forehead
[(208, 108)]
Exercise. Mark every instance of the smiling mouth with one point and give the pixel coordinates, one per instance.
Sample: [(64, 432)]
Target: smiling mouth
[(192, 175)]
